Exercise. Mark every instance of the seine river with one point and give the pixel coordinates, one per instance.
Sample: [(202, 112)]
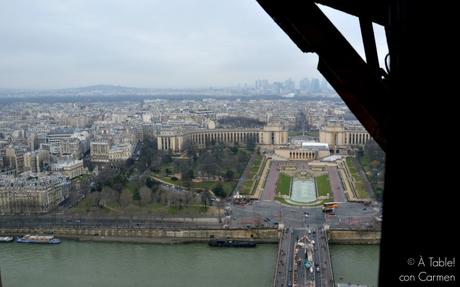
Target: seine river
[(355, 263), (121, 264), (98, 264)]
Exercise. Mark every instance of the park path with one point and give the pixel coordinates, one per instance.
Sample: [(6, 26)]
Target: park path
[(336, 186), (270, 183)]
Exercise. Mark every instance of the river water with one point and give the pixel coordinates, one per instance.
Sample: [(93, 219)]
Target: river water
[(99, 264), (357, 264)]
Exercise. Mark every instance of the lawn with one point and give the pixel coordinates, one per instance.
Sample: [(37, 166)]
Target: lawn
[(247, 187), (251, 176), (255, 167), (228, 185), (324, 187), (169, 180), (364, 160), (359, 182), (283, 184)]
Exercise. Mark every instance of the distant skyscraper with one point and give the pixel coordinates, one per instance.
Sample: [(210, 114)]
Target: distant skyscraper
[(261, 84), (289, 85), (315, 88), (277, 87), (304, 85)]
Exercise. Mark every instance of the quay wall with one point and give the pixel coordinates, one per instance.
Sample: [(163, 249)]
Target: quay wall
[(354, 236), (148, 235)]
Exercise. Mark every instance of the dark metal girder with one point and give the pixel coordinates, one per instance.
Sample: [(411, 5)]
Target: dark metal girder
[(356, 82), (370, 48)]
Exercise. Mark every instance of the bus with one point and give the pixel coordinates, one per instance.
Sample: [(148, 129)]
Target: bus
[(331, 205)]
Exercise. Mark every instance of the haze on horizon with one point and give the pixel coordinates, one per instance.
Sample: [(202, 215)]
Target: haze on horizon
[(49, 44)]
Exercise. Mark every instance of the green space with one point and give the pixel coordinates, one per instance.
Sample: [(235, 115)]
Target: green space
[(88, 206), (131, 189), (283, 184), (255, 167), (323, 184), (359, 182), (294, 133), (251, 177), (216, 165), (372, 159), (314, 134), (364, 161), (246, 188), (264, 165), (291, 202), (227, 185)]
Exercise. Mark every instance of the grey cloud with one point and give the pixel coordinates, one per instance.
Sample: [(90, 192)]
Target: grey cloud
[(145, 43)]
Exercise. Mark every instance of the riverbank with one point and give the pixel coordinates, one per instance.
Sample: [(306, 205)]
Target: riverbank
[(354, 237), (144, 235), (173, 236)]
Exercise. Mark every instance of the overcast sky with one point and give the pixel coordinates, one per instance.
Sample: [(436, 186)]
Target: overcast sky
[(150, 43)]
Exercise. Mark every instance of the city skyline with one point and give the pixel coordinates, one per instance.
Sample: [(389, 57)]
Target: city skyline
[(303, 84), (52, 45)]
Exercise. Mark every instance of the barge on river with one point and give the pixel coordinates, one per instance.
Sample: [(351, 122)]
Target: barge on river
[(225, 242), (44, 239)]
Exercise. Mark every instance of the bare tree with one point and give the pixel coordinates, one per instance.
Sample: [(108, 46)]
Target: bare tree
[(109, 196), (146, 195), (126, 198)]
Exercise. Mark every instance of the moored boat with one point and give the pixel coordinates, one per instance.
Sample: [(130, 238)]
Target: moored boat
[(6, 238), (44, 239), (231, 243)]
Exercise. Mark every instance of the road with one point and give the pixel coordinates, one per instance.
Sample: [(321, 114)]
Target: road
[(50, 221), (282, 272), (298, 221)]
